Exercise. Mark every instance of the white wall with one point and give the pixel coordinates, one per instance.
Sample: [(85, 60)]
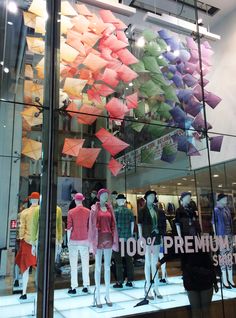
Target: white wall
[(223, 83)]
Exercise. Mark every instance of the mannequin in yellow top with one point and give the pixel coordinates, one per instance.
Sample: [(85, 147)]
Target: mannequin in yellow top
[(26, 256), (35, 230)]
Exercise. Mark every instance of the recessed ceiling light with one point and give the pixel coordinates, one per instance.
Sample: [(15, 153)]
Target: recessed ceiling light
[(184, 179), (192, 179), (10, 23), (234, 183), (131, 84), (179, 183), (6, 69), (140, 42), (215, 175), (1, 63), (220, 185)]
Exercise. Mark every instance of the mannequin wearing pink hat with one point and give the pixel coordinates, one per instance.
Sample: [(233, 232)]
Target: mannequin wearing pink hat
[(77, 235), (103, 238)]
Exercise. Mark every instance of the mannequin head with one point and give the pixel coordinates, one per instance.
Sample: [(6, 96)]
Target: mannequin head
[(120, 200), (103, 195), (79, 199), (150, 197), (185, 198), (114, 195), (222, 200), (73, 193), (34, 198), (93, 194)]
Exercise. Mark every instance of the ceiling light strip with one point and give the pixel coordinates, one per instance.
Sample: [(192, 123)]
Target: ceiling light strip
[(179, 24), (115, 7)]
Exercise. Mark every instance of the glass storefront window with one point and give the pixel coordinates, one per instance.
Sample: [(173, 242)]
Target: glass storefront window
[(118, 183)]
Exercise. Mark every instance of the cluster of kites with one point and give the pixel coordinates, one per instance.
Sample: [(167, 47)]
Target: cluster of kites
[(95, 62)]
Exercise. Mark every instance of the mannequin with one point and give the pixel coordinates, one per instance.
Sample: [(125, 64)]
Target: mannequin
[(113, 199), (77, 237), (223, 225), (151, 223), (25, 257), (186, 219), (125, 226), (103, 238)]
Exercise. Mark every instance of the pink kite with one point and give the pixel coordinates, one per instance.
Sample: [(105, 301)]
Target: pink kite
[(126, 57), (110, 77), (126, 74), (103, 89), (103, 135), (114, 44), (116, 108), (72, 110), (94, 62), (132, 101), (72, 146), (114, 166), (114, 145), (87, 157), (90, 114)]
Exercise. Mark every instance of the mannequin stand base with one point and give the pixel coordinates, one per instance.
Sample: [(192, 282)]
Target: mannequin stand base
[(29, 299), (106, 308)]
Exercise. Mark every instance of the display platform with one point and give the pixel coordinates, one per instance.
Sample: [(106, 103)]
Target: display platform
[(124, 301)]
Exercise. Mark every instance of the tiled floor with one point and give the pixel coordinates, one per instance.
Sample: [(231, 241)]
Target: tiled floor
[(123, 300)]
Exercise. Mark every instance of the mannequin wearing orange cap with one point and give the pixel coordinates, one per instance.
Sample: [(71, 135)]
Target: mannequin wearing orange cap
[(103, 238), (26, 254), (77, 235)]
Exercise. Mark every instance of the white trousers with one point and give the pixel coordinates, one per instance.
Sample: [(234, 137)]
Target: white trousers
[(73, 257), (107, 270), (151, 259)]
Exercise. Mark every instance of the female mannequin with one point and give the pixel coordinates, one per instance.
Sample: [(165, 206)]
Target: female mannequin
[(223, 225), (77, 237), (103, 238), (186, 219), (151, 223), (25, 257)]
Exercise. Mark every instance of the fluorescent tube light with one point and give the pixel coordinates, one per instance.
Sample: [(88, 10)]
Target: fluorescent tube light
[(179, 24), (114, 7)]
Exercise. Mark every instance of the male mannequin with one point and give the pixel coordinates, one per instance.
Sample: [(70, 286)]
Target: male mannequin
[(93, 198), (103, 238), (26, 254), (223, 226), (77, 236), (151, 223), (113, 199), (72, 203), (125, 227)]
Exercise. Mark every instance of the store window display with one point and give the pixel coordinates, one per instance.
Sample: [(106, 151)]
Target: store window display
[(26, 256), (125, 227), (223, 226), (103, 238), (151, 224), (77, 236)]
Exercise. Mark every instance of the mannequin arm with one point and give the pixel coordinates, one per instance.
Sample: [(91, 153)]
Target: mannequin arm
[(35, 227), (140, 231), (59, 226), (178, 229), (132, 228), (68, 235)]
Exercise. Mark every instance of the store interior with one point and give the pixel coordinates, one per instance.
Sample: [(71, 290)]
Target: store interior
[(152, 147)]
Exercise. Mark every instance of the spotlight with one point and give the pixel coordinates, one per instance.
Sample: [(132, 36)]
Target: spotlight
[(12, 7)]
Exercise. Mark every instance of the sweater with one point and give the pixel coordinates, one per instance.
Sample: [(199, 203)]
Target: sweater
[(77, 222)]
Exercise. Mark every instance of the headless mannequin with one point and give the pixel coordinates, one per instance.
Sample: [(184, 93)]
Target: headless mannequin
[(227, 281), (25, 276), (121, 202), (107, 262), (84, 253), (151, 254)]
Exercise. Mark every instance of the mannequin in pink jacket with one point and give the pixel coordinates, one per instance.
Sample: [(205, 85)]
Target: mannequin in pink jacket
[(103, 238)]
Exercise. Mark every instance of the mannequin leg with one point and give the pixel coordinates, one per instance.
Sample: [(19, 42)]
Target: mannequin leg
[(230, 275), (25, 278), (107, 271), (97, 274), (73, 257), (147, 267), (154, 259), (84, 255), (224, 277), (163, 267)]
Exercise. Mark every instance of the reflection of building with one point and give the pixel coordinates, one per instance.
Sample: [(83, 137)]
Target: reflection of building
[(163, 143)]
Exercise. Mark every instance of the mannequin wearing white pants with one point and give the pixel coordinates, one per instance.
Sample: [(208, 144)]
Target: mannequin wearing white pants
[(84, 256), (77, 235), (107, 272)]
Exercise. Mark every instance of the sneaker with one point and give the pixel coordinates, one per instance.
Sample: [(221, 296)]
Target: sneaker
[(85, 290), (72, 291), (23, 297), (129, 284), (163, 280), (118, 285)]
